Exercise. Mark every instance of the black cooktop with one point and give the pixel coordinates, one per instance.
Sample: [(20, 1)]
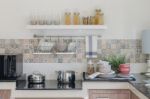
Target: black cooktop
[(48, 85)]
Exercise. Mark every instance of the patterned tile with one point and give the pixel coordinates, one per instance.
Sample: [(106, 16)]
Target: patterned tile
[(128, 47)]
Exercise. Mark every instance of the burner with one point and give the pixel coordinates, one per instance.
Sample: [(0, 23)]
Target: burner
[(65, 85)]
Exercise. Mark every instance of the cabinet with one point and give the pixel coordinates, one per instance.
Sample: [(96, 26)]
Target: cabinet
[(109, 94), (133, 96), (5, 94)]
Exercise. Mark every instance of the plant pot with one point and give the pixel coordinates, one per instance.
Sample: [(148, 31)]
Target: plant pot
[(124, 68)]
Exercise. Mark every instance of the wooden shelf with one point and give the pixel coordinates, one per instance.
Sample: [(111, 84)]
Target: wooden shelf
[(59, 53), (66, 27)]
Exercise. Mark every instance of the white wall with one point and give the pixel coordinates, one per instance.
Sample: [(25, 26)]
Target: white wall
[(124, 18)]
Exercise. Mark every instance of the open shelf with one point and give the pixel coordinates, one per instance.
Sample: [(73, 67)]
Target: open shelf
[(58, 53), (66, 27)]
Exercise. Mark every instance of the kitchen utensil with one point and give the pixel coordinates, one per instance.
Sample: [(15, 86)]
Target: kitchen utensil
[(36, 77), (69, 76)]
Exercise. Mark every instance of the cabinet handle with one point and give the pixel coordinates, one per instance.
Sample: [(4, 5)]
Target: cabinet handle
[(102, 98)]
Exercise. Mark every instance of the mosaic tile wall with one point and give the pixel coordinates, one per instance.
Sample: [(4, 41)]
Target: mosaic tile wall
[(131, 48)]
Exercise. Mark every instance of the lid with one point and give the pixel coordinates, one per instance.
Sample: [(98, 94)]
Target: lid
[(98, 10)]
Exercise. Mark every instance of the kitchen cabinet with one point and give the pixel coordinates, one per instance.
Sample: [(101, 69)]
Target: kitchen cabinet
[(5, 94), (109, 94), (133, 96)]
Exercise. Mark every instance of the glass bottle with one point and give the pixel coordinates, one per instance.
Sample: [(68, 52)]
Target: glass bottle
[(99, 17), (90, 68), (67, 18), (76, 18)]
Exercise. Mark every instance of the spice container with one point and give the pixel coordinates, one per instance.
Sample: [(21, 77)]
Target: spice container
[(85, 20), (76, 18), (91, 20), (90, 68), (67, 18), (99, 17)]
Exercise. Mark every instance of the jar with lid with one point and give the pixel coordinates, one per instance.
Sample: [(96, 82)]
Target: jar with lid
[(99, 20), (90, 67), (76, 18), (85, 20), (91, 20), (67, 18)]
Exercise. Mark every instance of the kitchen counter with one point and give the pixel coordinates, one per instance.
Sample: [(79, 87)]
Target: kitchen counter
[(138, 82), (80, 90), (48, 85)]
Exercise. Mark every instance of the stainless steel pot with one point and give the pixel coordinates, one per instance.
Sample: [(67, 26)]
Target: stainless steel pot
[(69, 77), (36, 77), (66, 77), (60, 76)]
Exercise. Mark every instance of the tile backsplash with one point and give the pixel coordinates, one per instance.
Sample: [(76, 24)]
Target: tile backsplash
[(129, 47)]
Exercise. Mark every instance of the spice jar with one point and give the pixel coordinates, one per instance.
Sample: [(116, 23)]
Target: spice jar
[(99, 17), (85, 20), (91, 20), (67, 18), (90, 68), (76, 18)]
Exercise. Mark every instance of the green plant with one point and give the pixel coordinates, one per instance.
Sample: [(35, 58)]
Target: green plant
[(115, 61)]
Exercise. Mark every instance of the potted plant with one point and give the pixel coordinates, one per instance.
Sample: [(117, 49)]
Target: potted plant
[(115, 61)]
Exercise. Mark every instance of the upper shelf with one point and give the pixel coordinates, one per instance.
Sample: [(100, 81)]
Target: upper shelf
[(66, 27)]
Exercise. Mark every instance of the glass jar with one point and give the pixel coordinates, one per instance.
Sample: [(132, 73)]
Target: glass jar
[(76, 18), (85, 20), (99, 20), (90, 68), (67, 18), (91, 20)]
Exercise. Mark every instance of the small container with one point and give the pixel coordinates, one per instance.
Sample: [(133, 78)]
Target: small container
[(85, 20), (99, 17), (76, 18), (91, 20), (90, 68), (67, 18)]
